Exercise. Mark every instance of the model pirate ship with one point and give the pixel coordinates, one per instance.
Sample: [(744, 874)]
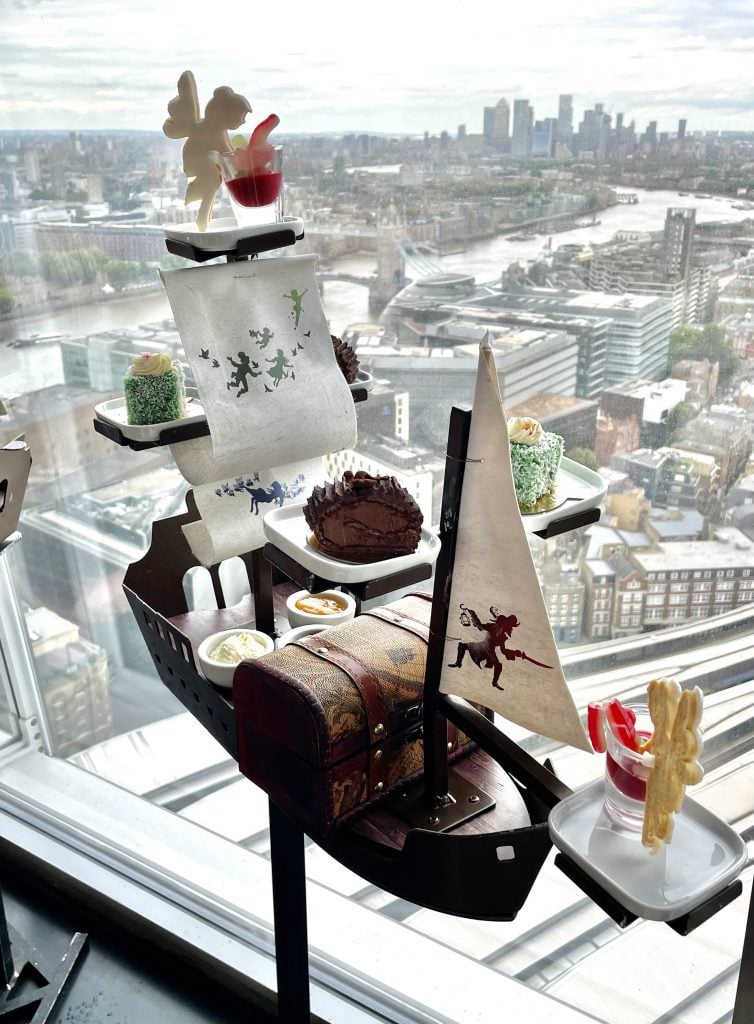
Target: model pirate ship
[(275, 401)]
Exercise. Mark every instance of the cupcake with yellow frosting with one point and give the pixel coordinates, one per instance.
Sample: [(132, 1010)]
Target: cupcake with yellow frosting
[(155, 390)]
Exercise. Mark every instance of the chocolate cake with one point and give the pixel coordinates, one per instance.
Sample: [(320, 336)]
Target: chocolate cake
[(347, 359), (363, 518)]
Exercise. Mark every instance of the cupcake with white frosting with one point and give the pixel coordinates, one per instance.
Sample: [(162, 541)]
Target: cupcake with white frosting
[(155, 389), (535, 458)]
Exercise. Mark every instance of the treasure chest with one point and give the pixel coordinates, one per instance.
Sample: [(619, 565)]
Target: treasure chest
[(332, 722)]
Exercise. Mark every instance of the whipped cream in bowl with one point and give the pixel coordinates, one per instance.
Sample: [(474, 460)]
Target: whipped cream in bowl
[(220, 653)]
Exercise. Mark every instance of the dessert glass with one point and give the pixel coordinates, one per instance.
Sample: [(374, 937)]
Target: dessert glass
[(626, 774), (255, 192)]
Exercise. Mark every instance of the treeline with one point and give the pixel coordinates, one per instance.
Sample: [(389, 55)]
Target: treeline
[(77, 267), (710, 342)]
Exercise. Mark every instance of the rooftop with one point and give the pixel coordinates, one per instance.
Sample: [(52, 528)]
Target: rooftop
[(548, 404), (737, 552)]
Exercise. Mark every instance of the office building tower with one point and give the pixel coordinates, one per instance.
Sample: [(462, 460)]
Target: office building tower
[(678, 240), (682, 129), (589, 131), (543, 137), (603, 134), (639, 331), (649, 138), (488, 122), (523, 117), (501, 122), (565, 119)]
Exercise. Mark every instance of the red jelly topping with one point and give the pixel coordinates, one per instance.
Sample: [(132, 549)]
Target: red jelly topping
[(596, 726), (630, 785), (258, 189), (622, 722)]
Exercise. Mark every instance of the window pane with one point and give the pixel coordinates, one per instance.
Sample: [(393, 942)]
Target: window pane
[(604, 245)]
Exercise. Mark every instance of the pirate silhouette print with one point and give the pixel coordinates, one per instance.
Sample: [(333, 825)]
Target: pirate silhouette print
[(484, 653)]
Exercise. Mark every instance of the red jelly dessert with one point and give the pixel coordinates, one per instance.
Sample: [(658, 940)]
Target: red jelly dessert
[(632, 786), (259, 189)]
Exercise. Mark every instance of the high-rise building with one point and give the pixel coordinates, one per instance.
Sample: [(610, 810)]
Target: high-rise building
[(543, 137), (678, 240), (682, 129), (523, 118), (488, 122), (639, 333), (565, 119), (501, 122)]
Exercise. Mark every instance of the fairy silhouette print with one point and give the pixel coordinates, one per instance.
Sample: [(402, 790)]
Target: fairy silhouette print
[(280, 368), (484, 653), (263, 337), (296, 298), (226, 111), (244, 369)]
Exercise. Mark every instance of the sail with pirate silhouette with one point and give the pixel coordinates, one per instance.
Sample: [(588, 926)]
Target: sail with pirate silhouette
[(499, 648)]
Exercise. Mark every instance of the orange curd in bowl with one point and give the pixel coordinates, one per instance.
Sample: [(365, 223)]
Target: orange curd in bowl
[(320, 604)]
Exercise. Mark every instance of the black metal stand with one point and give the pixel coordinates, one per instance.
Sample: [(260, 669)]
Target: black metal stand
[(743, 1011), (276, 238), (31, 991), (365, 591), (289, 908), (423, 868)]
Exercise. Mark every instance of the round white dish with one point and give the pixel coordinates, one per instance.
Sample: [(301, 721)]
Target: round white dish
[(299, 632), (364, 381), (219, 672), (297, 617)]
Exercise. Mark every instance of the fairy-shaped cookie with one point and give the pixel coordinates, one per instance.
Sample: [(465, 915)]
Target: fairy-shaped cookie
[(225, 112)]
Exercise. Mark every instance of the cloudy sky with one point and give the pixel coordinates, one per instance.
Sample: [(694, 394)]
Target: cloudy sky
[(383, 66)]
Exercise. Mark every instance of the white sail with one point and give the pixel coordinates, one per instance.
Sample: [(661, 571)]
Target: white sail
[(256, 338), (500, 650)]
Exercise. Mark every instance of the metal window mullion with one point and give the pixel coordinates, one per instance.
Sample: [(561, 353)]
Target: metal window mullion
[(17, 661)]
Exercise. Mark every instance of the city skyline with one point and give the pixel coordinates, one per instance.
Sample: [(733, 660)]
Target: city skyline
[(405, 71)]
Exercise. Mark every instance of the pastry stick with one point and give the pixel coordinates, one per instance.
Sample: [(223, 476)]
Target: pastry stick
[(676, 744)]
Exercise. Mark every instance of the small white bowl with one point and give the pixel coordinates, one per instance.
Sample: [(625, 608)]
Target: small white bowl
[(299, 632), (297, 617), (219, 672)]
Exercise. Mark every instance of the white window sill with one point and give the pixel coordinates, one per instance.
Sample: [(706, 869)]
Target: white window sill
[(215, 898)]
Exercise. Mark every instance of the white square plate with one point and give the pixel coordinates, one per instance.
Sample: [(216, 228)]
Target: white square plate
[(224, 234), (704, 856), (114, 412), (577, 488), (287, 529)]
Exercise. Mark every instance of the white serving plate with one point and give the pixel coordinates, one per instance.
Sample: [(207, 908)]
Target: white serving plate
[(704, 856), (578, 489), (287, 529), (224, 233), (114, 412), (364, 382)]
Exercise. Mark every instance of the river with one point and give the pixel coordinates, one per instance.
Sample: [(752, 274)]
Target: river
[(345, 303)]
